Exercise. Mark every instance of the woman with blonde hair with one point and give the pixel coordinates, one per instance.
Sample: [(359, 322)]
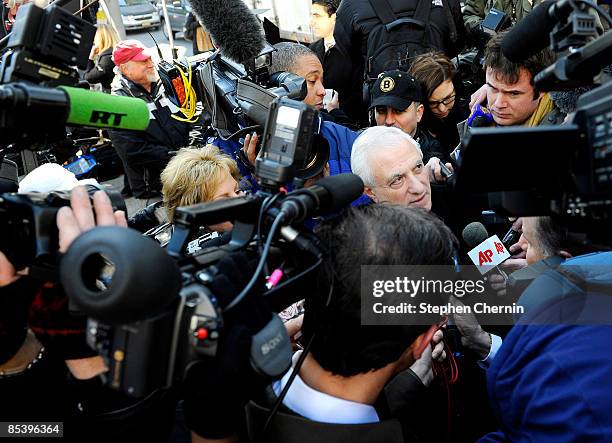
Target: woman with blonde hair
[(197, 175), (100, 67)]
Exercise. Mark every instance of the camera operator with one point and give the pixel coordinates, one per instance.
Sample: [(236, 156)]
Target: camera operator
[(343, 388), (144, 154), (298, 59), (511, 95), (34, 371)]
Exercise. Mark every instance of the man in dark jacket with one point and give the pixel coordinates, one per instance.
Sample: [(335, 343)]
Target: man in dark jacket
[(397, 101), (144, 154), (333, 58), (356, 20)]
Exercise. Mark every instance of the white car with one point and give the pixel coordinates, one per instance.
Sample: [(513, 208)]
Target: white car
[(139, 14)]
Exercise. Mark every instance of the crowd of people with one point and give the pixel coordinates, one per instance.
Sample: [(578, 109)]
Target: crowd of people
[(397, 116)]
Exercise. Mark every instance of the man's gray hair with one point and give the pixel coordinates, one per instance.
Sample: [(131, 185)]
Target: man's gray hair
[(286, 56), (374, 139)]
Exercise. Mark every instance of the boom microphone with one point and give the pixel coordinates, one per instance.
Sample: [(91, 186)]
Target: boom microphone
[(328, 195), (37, 111), (232, 26), (531, 34)]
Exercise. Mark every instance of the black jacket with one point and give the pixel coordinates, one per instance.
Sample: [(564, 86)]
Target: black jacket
[(445, 131), (145, 154), (101, 71), (356, 19), (335, 62)]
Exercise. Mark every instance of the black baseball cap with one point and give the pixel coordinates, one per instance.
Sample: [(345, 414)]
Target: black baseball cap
[(396, 89)]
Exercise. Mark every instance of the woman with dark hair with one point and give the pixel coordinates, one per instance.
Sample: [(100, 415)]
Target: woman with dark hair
[(443, 109)]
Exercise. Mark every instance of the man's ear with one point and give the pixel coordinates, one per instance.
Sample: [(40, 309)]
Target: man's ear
[(333, 17), (370, 193), (420, 109)]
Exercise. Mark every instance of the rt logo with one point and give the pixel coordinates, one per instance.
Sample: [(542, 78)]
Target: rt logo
[(103, 117)]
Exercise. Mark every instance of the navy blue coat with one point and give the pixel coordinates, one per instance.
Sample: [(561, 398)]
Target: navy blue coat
[(551, 382)]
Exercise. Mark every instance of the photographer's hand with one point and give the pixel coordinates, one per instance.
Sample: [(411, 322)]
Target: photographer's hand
[(334, 103), (7, 271), (250, 147), (435, 172), (79, 217)]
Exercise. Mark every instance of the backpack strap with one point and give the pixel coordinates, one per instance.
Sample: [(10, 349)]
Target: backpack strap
[(383, 11), (388, 18)]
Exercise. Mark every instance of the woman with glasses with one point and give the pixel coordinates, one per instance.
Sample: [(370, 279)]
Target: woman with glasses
[(443, 109)]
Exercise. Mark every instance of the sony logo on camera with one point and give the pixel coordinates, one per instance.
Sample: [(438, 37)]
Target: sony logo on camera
[(271, 344)]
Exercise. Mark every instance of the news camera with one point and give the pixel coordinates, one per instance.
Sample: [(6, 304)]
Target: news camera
[(40, 91), (568, 167), (151, 327), (245, 97)]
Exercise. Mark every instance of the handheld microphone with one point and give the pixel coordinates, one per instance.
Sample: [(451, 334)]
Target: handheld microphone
[(37, 111), (232, 26), (486, 252), (474, 234), (531, 34), (328, 195)]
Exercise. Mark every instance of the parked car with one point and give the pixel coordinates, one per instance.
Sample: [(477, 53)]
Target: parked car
[(177, 14), (139, 14)]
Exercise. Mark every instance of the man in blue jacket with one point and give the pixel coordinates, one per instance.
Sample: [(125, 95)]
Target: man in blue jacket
[(550, 379)]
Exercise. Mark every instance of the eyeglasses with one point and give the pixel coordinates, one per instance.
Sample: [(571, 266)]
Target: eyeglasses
[(447, 101)]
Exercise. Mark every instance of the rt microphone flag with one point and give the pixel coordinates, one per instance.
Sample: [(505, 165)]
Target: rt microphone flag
[(100, 110), (52, 109)]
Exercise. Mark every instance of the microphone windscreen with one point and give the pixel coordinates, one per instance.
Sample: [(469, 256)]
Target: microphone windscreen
[(101, 110), (341, 189), (474, 234), (530, 35), (232, 27)]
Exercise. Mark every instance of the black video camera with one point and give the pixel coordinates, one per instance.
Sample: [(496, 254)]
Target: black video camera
[(28, 223), (568, 167), (158, 313), (239, 99)]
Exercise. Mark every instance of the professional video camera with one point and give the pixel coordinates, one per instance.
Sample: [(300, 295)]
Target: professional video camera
[(39, 96), (471, 75), (234, 83), (563, 171), (37, 100), (153, 313)]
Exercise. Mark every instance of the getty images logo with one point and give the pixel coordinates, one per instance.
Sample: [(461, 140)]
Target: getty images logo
[(104, 118), (271, 344)]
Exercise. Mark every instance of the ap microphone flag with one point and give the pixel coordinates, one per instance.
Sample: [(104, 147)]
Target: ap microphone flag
[(489, 254)]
